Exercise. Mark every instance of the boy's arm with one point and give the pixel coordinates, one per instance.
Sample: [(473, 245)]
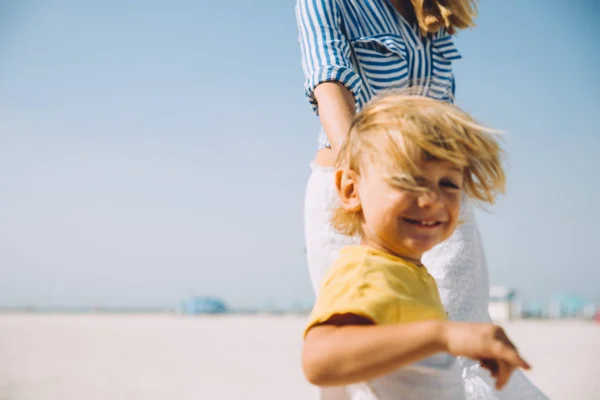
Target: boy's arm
[(351, 349)]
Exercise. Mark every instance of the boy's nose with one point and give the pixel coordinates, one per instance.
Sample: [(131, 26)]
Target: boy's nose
[(429, 199)]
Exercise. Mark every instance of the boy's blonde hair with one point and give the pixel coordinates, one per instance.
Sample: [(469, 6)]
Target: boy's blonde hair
[(397, 131), (452, 15)]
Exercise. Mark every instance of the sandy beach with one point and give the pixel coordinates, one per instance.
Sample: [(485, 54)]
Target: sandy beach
[(151, 357)]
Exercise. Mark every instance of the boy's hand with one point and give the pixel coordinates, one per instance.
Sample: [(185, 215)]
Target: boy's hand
[(488, 344)]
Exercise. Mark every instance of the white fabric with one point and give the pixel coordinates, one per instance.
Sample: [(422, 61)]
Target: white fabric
[(460, 270)]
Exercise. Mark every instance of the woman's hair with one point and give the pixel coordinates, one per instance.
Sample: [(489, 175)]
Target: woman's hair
[(396, 132), (452, 15)]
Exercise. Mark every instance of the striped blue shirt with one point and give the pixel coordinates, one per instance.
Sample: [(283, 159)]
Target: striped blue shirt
[(368, 46)]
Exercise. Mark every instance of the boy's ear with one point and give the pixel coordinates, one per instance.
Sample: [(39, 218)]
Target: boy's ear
[(346, 183)]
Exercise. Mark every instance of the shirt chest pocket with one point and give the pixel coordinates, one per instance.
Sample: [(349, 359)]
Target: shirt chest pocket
[(382, 61), (443, 52)]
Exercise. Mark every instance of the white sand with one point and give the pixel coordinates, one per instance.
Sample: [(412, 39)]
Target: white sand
[(150, 357)]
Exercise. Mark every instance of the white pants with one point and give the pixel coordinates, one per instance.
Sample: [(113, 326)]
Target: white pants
[(458, 266)]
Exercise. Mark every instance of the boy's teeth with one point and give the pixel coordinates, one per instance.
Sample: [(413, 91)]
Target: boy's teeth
[(422, 223)]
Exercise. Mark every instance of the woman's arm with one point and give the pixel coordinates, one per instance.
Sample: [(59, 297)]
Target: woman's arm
[(350, 349), (331, 83), (336, 110)]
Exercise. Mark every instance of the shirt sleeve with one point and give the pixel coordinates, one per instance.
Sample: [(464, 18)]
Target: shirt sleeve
[(326, 53), (355, 289)]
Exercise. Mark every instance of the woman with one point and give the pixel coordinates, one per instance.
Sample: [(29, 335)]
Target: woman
[(351, 51)]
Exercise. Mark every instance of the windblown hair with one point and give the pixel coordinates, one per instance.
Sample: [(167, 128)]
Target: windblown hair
[(452, 15), (396, 132)]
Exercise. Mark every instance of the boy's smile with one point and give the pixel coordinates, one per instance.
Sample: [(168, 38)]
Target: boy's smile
[(402, 221)]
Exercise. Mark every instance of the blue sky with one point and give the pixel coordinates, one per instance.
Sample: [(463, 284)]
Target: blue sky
[(150, 151)]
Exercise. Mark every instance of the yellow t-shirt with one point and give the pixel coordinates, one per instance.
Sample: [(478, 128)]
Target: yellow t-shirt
[(379, 286)]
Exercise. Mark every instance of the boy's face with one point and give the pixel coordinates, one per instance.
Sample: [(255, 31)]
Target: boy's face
[(401, 221)]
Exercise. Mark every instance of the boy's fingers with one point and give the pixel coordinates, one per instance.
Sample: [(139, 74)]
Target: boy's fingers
[(500, 380), (504, 372), (503, 350), (525, 364), (491, 365), (512, 357)]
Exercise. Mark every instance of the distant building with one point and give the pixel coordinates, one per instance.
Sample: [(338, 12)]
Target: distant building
[(591, 311), (533, 310), (502, 305), (203, 305), (567, 305)]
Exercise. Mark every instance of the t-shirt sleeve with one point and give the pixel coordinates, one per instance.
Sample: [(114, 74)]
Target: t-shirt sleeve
[(355, 289), (326, 52)]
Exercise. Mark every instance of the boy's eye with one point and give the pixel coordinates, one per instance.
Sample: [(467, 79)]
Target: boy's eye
[(450, 184)]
